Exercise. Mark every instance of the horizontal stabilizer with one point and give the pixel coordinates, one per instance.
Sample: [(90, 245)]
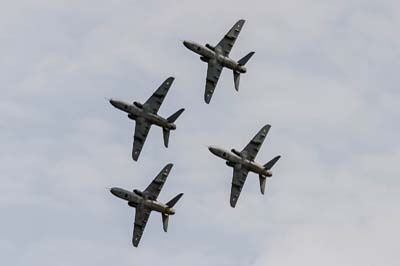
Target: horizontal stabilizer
[(172, 202), (263, 180), (236, 78), (175, 116), (271, 163), (165, 219), (246, 58), (166, 137)]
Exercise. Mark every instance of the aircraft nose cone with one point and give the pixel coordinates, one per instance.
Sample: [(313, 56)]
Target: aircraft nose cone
[(113, 191), (212, 149), (188, 44), (112, 101)]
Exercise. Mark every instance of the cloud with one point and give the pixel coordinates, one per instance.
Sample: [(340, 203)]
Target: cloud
[(324, 76)]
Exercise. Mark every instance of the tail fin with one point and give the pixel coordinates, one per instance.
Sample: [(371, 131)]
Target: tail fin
[(242, 62), (175, 116), (263, 180), (166, 136), (165, 219), (236, 79), (268, 166), (271, 163), (246, 58), (172, 202), (171, 119)]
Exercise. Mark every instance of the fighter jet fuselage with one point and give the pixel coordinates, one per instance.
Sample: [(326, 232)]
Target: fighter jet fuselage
[(234, 159), (137, 110), (208, 53), (137, 198)]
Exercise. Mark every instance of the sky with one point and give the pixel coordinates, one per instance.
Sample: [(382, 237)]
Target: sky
[(324, 75)]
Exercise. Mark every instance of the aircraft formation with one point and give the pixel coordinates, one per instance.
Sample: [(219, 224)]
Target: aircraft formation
[(145, 115)]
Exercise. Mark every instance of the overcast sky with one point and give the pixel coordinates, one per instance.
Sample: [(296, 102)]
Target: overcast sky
[(325, 76)]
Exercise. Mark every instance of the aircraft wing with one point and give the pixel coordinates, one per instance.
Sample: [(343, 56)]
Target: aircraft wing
[(229, 39), (251, 150), (154, 102), (239, 177), (142, 128), (154, 189), (214, 70), (141, 217)]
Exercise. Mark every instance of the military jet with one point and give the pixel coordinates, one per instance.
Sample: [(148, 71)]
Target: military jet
[(146, 201), (145, 116), (243, 163), (217, 57)]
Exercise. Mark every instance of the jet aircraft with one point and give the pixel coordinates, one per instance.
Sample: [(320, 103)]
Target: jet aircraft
[(243, 163), (217, 57), (146, 115), (146, 201)]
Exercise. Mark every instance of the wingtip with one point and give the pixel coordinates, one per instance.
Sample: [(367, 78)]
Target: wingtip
[(169, 80), (233, 203)]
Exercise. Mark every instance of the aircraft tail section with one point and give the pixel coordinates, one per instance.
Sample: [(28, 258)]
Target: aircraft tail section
[(267, 166), (175, 116), (246, 58), (171, 119), (236, 74), (172, 202)]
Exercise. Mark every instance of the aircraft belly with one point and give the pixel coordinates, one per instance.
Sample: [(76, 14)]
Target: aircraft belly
[(207, 53), (155, 206), (253, 167), (133, 110), (133, 198), (229, 63), (232, 158)]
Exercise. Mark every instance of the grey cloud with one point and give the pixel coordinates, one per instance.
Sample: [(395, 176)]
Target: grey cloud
[(324, 75)]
